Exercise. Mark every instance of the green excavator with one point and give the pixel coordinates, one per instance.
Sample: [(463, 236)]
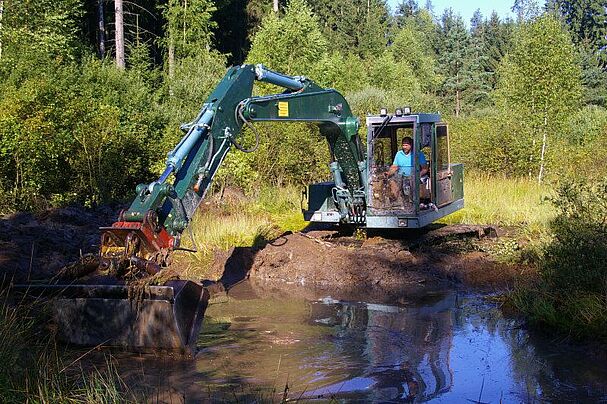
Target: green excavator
[(102, 307)]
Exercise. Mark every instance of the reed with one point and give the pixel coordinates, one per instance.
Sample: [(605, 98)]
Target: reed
[(31, 365)]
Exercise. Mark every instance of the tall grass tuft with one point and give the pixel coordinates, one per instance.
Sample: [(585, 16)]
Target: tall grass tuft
[(248, 222), (31, 368), (504, 202)]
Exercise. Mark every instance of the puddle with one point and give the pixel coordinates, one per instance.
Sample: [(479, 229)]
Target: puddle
[(446, 347)]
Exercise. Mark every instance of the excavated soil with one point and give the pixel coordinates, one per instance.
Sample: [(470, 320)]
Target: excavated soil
[(385, 264), (37, 246)]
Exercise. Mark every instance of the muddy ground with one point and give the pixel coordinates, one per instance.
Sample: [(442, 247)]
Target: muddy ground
[(37, 246)]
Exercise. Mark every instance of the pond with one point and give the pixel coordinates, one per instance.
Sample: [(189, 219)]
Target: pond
[(443, 346)]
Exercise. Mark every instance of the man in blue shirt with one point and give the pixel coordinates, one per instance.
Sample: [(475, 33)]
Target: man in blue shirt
[(403, 163)]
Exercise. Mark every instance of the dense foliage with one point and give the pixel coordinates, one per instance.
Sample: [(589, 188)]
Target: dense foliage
[(573, 293), (524, 98)]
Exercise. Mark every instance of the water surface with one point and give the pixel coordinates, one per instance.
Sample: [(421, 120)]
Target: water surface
[(445, 346)]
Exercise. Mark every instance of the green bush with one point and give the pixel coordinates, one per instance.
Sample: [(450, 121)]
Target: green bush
[(572, 292), (69, 132)]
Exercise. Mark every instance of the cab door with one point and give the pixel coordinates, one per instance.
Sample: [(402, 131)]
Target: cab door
[(443, 165)]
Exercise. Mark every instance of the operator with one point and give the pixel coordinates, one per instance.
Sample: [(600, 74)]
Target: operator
[(403, 163)]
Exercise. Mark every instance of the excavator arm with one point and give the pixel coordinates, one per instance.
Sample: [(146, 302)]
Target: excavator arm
[(147, 232)]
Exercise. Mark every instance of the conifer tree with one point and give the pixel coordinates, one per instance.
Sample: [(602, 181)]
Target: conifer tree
[(354, 26), (404, 10), (489, 42), (587, 21), (454, 59), (188, 28)]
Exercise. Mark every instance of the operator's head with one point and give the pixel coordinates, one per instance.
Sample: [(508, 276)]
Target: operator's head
[(407, 144)]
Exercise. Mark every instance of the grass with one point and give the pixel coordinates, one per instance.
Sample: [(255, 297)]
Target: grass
[(31, 368), (270, 211), (504, 202), (250, 222)]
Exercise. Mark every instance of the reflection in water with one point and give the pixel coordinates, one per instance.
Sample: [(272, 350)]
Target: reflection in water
[(442, 348), (405, 350)]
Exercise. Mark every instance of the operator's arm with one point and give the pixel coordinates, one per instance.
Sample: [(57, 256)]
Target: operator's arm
[(392, 170), (423, 170), (394, 167)]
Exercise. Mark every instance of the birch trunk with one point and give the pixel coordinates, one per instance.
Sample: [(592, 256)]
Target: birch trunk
[(119, 34), (1, 15), (541, 173), (171, 59)]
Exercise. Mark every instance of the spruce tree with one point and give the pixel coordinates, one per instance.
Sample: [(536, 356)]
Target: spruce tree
[(454, 59), (354, 26), (587, 21)]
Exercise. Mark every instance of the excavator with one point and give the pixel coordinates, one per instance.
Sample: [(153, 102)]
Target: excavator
[(100, 307)]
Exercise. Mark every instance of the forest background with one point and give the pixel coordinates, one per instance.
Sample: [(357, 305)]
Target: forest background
[(524, 97)]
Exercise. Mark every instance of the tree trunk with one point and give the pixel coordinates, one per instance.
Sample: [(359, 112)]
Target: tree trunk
[(185, 16), (541, 173), (171, 58), (1, 15), (457, 102), (119, 34), (275, 6), (101, 27)]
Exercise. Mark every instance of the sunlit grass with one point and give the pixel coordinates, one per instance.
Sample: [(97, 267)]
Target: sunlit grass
[(271, 211), (260, 217), (283, 205), (504, 202)]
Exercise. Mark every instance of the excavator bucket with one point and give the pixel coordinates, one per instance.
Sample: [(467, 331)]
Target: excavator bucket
[(96, 306), (165, 317)]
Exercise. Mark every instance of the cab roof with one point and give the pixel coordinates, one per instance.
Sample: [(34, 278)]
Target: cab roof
[(412, 118)]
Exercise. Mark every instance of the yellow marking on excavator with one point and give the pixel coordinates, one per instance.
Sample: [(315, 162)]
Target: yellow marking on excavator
[(283, 109)]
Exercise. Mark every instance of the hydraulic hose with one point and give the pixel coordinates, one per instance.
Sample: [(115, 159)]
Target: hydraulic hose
[(238, 115)]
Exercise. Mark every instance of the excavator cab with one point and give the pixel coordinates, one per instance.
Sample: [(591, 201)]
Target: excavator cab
[(412, 200), (400, 201)]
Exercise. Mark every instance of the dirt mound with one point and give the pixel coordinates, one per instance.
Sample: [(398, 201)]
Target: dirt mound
[(37, 246), (324, 259), (303, 258)]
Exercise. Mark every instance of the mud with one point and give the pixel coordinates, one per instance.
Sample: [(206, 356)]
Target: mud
[(38, 246), (380, 264)]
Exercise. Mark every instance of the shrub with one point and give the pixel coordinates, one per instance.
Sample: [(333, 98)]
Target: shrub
[(572, 293), (69, 132)]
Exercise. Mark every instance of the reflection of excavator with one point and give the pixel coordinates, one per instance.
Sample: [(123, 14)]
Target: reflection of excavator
[(406, 349), (145, 235)]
